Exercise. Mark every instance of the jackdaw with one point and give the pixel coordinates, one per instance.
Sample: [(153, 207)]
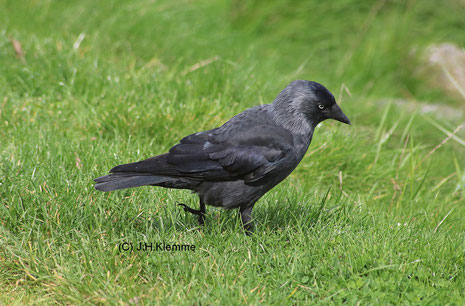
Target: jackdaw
[(234, 165)]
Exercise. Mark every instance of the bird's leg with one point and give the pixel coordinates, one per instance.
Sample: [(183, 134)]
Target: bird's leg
[(201, 212), (246, 217)]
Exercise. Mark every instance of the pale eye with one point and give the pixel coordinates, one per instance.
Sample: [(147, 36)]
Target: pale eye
[(321, 106)]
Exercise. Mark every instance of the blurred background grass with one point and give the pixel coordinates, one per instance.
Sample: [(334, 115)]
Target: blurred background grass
[(86, 85)]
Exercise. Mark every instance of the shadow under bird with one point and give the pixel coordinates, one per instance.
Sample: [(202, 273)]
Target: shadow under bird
[(234, 165)]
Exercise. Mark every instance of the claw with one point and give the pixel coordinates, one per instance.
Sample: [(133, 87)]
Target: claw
[(196, 212), (184, 206), (188, 209)]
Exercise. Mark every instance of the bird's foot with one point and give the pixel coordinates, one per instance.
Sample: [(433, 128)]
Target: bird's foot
[(249, 229), (196, 212), (247, 222)]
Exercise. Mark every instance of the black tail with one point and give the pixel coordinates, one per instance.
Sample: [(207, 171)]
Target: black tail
[(124, 180)]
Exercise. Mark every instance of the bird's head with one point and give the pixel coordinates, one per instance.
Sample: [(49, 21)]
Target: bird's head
[(307, 101)]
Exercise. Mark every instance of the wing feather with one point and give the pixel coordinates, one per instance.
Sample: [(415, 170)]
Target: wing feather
[(249, 146)]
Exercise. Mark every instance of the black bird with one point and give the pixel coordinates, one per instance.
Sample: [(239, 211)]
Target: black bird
[(234, 165)]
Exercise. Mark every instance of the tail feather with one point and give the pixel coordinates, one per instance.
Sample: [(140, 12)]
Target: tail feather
[(154, 165), (117, 181)]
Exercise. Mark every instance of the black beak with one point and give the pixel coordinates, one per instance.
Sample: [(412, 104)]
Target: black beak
[(337, 114)]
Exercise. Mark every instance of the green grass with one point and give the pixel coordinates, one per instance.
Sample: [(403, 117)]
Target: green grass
[(108, 82)]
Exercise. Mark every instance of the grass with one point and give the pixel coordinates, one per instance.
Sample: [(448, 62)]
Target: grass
[(373, 214)]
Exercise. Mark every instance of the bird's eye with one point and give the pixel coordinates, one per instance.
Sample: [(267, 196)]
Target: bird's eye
[(321, 106)]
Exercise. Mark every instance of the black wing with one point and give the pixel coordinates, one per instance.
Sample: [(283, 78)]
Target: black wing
[(245, 148), (248, 154)]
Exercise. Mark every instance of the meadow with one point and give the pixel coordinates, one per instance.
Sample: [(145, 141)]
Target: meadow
[(375, 212)]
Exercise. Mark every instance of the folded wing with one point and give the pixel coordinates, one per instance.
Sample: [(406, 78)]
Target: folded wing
[(247, 153)]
